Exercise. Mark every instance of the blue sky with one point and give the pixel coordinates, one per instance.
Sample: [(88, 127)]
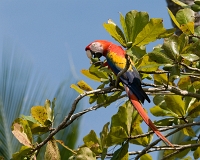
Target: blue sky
[(53, 31)]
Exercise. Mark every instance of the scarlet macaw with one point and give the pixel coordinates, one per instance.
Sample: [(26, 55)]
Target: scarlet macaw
[(131, 80)]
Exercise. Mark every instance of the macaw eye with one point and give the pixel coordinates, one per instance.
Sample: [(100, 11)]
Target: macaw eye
[(89, 54)]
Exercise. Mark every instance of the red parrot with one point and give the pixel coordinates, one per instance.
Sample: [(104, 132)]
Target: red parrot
[(116, 61)]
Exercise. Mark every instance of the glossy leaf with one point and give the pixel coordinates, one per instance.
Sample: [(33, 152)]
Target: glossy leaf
[(52, 151), (180, 3), (184, 16), (89, 75), (115, 32), (150, 32), (135, 22), (95, 71), (84, 86), (170, 47), (158, 56), (121, 153), (190, 57), (40, 114), (93, 142)]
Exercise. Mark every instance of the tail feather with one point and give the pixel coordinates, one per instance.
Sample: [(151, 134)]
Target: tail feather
[(144, 115)]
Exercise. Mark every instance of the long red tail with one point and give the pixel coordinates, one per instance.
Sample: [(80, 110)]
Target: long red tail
[(144, 115)]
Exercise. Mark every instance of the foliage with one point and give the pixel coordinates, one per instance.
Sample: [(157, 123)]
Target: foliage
[(173, 69), (21, 89)]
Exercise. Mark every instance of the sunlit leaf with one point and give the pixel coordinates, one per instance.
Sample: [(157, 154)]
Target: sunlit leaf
[(188, 131), (84, 86), (187, 28), (158, 111), (76, 88), (161, 79), (150, 32), (89, 75), (115, 32), (182, 42), (52, 151), (173, 18), (124, 27), (194, 110), (40, 114), (47, 105), (99, 73)]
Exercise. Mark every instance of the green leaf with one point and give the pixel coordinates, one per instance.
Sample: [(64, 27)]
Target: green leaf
[(52, 151), (84, 86), (170, 47), (135, 22), (95, 71), (40, 114), (150, 32), (115, 32), (84, 153), (188, 131), (173, 18), (194, 110), (89, 75), (196, 153), (124, 27), (195, 7), (175, 104), (136, 52), (93, 142), (22, 154), (121, 153), (184, 82), (160, 79), (180, 3), (158, 56), (120, 125), (167, 33), (21, 131), (190, 57), (103, 138), (185, 15), (182, 42), (158, 111), (146, 157), (146, 64), (187, 28)]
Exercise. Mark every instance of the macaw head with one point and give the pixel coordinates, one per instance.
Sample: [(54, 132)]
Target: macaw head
[(97, 48)]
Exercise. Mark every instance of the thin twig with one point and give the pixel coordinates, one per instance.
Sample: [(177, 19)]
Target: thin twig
[(190, 68)]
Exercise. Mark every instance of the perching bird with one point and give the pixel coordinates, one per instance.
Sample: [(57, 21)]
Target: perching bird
[(116, 61)]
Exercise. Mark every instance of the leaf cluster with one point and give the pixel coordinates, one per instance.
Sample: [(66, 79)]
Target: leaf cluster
[(173, 69)]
